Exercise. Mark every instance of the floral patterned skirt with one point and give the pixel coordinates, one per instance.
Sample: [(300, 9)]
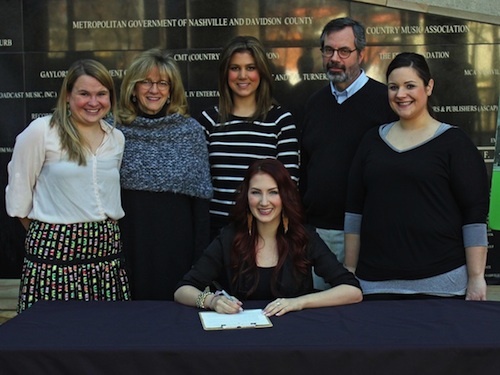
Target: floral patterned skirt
[(81, 261)]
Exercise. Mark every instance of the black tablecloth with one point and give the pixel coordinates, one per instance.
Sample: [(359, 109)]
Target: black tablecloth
[(379, 337)]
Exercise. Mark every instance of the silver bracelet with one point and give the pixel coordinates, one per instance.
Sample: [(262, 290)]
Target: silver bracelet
[(200, 300)]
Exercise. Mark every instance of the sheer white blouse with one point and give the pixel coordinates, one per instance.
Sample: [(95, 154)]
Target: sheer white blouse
[(43, 185)]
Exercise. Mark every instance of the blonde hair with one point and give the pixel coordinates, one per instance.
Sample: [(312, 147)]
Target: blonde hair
[(264, 94), (138, 70), (71, 140)]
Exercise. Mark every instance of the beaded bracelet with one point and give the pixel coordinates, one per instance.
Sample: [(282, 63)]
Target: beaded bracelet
[(200, 300)]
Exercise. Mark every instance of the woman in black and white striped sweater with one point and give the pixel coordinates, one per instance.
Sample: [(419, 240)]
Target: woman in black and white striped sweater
[(246, 125)]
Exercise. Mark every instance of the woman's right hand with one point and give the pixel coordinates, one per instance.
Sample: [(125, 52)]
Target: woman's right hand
[(223, 305)]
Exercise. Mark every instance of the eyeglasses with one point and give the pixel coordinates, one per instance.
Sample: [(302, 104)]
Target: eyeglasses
[(147, 84), (344, 52)]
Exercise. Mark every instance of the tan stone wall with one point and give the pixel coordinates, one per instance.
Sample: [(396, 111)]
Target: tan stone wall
[(478, 10)]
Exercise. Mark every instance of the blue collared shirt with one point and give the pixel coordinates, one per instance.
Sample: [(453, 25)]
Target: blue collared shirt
[(342, 96)]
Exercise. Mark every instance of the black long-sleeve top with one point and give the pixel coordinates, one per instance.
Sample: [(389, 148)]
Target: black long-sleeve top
[(415, 204), (215, 263)]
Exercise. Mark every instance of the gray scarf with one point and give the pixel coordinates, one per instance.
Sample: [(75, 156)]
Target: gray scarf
[(166, 154)]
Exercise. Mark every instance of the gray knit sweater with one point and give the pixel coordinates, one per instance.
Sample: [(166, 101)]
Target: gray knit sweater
[(167, 154)]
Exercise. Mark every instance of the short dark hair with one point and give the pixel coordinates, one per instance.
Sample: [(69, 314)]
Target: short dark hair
[(341, 23), (411, 60)]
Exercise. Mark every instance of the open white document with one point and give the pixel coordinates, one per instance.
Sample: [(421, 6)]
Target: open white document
[(253, 318)]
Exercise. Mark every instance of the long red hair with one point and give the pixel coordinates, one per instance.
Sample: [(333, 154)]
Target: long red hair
[(291, 244)]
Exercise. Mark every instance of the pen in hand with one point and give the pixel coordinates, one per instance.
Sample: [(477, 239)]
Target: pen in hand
[(224, 293), (231, 307)]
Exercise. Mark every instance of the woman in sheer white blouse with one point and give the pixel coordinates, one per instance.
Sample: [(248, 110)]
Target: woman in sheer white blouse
[(64, 187)]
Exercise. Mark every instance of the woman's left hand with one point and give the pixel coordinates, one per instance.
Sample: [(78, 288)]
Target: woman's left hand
[(476, 289), (281, 306)]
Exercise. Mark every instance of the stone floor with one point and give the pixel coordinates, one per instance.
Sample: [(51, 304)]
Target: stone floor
[(9, 289)]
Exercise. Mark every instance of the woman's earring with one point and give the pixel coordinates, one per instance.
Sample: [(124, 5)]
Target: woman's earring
[(249, 223), (68, 111), (285, 222), (134, 99), (168, 100)]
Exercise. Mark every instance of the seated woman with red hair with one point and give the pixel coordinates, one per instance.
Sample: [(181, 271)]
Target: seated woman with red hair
[(267, 253)]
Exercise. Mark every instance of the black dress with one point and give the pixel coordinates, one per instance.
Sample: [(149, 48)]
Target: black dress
[(163, 236), (166, 190)]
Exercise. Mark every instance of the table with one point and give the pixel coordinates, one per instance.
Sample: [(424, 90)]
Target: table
[(377, 337)]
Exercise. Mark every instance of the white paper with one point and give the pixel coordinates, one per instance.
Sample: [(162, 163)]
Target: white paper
[(253, 318)]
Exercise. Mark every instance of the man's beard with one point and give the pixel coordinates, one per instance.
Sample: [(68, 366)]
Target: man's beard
[(336, 77)]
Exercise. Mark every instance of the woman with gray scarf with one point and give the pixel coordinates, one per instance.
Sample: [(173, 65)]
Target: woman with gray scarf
[(165, 177)]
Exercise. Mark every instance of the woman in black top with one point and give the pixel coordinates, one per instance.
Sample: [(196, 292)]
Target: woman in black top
[(267, 253), (417, 204), (165, 177)]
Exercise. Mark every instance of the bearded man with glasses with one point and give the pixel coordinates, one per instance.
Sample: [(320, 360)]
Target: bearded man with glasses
[(336, 118)]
